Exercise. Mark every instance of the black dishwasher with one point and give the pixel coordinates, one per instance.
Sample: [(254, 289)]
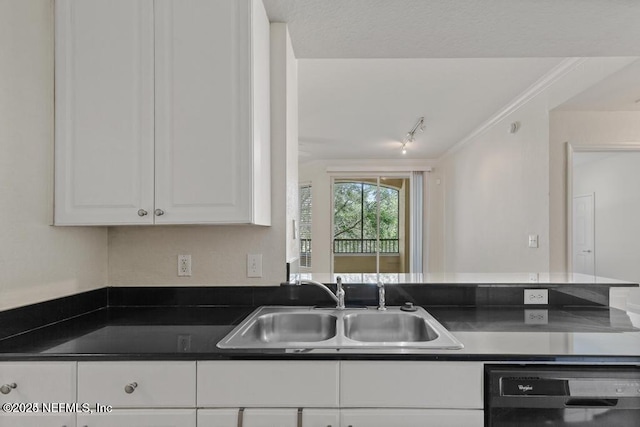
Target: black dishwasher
[(562, 395)]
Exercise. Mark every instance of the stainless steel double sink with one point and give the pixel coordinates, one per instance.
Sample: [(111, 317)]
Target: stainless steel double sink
[(275, 327)]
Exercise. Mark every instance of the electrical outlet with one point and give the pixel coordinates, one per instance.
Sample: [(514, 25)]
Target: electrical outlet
[(184, 265), (536, 317), (533, 240), (254, 265), (536, 296)]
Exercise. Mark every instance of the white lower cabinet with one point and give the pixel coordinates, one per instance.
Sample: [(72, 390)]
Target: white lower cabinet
[(268, 417), (411, 384), (28, 383), (138, 384), (140, 418), (411, 418), (37, 420), (270, 393), (276, 384)]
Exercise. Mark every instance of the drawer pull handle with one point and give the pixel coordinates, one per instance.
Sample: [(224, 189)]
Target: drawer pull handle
[(130, 388), (6, 388)]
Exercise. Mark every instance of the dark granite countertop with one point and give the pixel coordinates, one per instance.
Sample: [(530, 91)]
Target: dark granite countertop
[(556, 334)]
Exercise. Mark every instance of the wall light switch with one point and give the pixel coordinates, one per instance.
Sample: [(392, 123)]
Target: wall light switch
[(533, 240), (536, 296)]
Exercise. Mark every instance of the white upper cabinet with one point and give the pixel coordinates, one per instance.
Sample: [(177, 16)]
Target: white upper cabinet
[(104, 112), (162, 112)]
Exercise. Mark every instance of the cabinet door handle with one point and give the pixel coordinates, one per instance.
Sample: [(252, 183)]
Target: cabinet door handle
[(142, 212), (159, 212), (588, 251), (6, 388), (240, 417), (130, 388)]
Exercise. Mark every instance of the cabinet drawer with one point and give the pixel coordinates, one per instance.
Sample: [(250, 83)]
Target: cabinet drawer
[(411, 385), (140, 418), (268, 384), (138, 384), (37, 420), (60, 384), (412, 418)]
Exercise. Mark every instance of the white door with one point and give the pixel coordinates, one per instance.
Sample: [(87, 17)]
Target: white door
[(411, 418), (104, 124), (140, 418), (583, 235), (37, 420), (203, 111)]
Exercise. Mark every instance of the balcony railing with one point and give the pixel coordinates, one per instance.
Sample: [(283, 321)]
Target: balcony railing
[(350, 246), (305, 252), (365, 246)]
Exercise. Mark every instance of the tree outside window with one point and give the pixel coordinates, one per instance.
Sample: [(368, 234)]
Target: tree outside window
[(356, 218)]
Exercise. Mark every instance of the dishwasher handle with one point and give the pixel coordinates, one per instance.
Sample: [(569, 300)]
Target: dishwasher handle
[(590, 402)]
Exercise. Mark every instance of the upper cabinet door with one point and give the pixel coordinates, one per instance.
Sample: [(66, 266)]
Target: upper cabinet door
[(211, 90), (104, 112)]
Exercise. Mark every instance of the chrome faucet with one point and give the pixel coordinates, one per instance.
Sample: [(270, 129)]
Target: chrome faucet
[(338, 297), (381, 299)]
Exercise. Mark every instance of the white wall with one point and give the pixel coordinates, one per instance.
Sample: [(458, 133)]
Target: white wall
[(495, 195), (148, 255), (37, 261), (615, 180), (497, 185), (579, 128)]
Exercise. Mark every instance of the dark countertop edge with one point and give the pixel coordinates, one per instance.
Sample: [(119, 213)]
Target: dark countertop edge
[(488, 358)]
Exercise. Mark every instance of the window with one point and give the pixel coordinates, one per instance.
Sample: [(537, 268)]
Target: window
[(355, 222), (305, 225)]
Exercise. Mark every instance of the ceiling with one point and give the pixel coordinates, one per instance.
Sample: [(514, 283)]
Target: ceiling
[(369, 69), (618, 92), (459, 28), (357, 108)]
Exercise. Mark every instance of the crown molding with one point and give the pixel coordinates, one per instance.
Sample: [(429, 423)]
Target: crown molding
[(552, 76)]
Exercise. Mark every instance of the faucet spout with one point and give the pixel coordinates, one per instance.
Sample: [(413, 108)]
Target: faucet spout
[(338, 297)]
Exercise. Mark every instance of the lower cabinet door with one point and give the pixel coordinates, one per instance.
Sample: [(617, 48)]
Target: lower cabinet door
[(37, 420), (411, 418), (140, 418), (257, 417)]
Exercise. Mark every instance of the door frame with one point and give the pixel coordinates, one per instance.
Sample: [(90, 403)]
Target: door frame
[(592, 226), (365, 175), (582, 148)]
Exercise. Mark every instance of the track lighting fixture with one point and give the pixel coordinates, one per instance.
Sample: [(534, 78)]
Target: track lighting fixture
[(411, 135)]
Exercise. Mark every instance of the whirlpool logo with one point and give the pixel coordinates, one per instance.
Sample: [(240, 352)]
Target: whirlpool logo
[(522, 387)]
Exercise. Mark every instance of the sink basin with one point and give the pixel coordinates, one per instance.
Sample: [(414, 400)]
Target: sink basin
[(388, 327), (309, 328), (292, 327)]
